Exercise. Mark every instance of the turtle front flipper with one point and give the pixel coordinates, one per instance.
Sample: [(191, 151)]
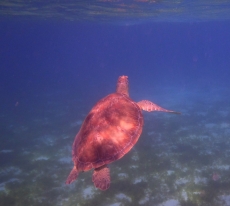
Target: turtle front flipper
[(72, 176), (101, 177), (151, 107)]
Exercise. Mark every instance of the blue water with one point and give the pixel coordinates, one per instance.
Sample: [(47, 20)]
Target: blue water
[(54, 70)]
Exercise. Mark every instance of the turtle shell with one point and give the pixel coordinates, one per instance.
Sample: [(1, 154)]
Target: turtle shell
[(109, 131)]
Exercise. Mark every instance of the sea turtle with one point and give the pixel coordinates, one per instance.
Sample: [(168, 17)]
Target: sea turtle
[(109, 131)]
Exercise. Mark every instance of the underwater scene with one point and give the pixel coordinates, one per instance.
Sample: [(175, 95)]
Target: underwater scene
[(59, 58)]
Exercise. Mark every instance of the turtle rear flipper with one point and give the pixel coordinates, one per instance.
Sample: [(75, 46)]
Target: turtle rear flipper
[(101, 177), (148, 106), (72, 176)]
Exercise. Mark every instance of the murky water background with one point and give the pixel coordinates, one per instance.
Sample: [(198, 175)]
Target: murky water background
[(59, 58)]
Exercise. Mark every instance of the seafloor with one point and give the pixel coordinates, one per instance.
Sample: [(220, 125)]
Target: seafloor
[(178, 160)]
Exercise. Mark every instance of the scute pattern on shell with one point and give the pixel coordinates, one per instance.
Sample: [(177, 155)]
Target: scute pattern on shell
[(109, 131)]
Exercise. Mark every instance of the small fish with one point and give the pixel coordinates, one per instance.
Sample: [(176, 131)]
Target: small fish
[(215, 176)]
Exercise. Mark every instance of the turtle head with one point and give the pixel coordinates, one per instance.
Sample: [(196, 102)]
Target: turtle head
[(123, 85)]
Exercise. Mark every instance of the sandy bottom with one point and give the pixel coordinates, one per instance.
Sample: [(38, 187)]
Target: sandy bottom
[(179, 159)]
